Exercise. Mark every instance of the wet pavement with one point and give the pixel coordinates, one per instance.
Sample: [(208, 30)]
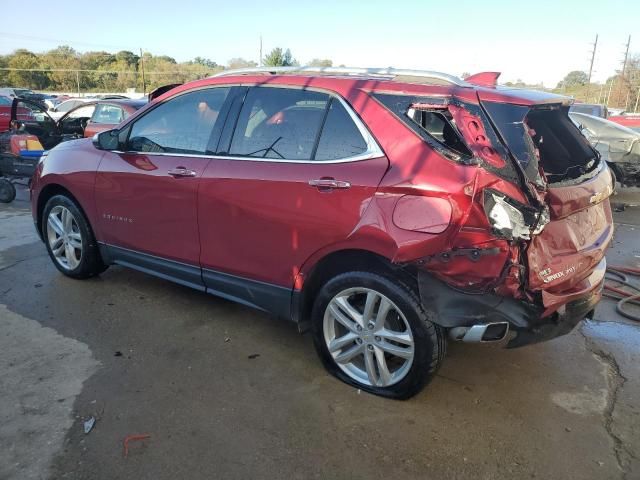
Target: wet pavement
[(227, 392)]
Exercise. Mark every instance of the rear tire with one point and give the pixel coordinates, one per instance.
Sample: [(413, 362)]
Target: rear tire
[(404, 348), (7, 191), (69, 239)]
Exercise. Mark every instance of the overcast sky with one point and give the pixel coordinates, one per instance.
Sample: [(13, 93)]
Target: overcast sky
[(532, 40)]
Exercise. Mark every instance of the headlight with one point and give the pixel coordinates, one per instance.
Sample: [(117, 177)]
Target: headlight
[(511, 219)]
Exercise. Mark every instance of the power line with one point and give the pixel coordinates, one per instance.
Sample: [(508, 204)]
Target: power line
[(66, 42), (73, 70)]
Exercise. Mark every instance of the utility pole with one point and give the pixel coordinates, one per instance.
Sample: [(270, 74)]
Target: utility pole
[(593, 56), (260, 50), (624, 65), (78, 80), (144, 85), (608, 98)]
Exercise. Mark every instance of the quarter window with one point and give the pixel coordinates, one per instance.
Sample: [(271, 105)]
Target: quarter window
[(340, 137), (279, 123), (182, 124)]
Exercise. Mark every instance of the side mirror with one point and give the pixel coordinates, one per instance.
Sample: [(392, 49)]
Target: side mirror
[(107, 140)]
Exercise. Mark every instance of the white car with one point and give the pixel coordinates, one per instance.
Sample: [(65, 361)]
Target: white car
[(59, 110)]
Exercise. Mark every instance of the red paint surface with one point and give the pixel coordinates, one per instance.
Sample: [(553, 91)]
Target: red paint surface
[(630, 121), (262, 220)]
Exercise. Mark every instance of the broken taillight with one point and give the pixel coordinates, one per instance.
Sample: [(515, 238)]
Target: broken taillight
[(511, 219)]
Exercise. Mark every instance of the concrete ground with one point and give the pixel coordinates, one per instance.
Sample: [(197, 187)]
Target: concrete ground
[(226, 392)]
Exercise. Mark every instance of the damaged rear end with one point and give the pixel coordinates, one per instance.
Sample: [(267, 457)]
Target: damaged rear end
[(524, 249)]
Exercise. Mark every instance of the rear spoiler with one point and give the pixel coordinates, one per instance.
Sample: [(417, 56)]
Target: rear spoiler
[(484, 79), (161, 90)]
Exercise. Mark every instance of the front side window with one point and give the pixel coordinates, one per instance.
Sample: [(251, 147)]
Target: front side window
[(279, 123), (182, 124), (109, 114)]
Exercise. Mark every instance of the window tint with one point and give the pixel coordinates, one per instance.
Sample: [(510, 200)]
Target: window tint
[(5, 101), (180, 125), (340, 137), (66, 106), (279, 123), (110, 114)]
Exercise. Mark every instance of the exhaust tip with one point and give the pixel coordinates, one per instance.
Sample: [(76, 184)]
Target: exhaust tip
[(487, 332)]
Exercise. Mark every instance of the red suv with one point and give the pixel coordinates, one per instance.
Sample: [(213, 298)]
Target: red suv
[(384, 210)]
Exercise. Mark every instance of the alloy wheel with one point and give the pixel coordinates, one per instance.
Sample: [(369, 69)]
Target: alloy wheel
[(64, 237), (368, 337)]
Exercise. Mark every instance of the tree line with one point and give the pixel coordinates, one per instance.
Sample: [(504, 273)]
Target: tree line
[(621, 90), (64, 69)]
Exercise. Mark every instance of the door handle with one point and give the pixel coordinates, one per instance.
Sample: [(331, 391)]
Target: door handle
[(329, 183), (182, 172)]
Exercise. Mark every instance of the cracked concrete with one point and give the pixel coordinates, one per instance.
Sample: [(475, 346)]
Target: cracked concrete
[(615, 381), (175, 364)]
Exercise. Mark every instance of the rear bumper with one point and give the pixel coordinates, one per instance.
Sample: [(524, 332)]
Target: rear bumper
[(528, 323)]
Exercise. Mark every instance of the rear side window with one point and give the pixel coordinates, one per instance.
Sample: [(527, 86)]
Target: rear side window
[(340, 137), (439, 126), (279, 123), (182, 124), (109, 114), (431, 120)]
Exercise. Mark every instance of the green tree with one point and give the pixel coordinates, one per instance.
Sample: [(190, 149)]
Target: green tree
[(318, 62), (4, 75), (238, 62), (573, 79), (279, 58), (125, 56), (62, 58), (23, 60), (205, 62)]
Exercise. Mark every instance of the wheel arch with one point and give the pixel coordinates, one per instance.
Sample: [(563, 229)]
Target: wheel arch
[(335, 263), (48, 191)]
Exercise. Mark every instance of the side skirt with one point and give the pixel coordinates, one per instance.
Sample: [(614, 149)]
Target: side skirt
[(267, 297)]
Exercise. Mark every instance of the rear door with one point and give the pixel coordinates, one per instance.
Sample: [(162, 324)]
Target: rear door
[(294, 173), (146, 194)]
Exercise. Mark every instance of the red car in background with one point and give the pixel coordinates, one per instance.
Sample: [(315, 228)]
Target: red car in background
[(85, 120), (381, 214), (109, 113), (22, 113), (629, 120)]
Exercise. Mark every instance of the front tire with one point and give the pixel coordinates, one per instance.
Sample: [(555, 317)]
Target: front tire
[(69, 239), (371, 332)]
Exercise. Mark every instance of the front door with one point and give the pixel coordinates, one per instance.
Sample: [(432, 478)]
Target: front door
[(293, 177), (146, 195)]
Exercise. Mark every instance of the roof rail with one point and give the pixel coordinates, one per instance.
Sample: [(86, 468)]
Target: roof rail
[(373, 72)]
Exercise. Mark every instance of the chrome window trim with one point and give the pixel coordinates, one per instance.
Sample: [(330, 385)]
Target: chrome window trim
[(373, 148), (355, 158)]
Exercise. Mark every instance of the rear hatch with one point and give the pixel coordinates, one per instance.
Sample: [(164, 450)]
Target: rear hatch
[(567, 183)]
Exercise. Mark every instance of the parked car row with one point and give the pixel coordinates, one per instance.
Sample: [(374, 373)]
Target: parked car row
[(384, 216), (618, 145), (85, 119), (630, 120)]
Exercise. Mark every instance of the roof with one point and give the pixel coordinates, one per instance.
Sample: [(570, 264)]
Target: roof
[(346, 81)]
